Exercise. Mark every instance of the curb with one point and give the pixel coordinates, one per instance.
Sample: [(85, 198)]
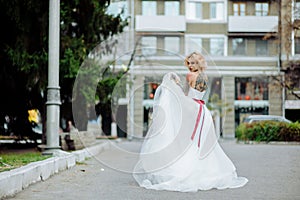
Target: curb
[(270, 143), (14, 181)]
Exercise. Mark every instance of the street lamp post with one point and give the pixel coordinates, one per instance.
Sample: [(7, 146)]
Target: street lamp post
[(53, 89)]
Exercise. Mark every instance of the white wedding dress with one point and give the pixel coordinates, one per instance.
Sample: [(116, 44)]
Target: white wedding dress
[(181, 150)]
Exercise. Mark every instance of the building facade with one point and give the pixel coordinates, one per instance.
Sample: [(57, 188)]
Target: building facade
[(239, 40)]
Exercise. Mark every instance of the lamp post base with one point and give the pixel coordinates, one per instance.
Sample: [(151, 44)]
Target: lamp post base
[(50, 150)]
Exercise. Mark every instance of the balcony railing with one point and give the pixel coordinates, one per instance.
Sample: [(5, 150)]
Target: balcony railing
[(160, 23), (261, 24)]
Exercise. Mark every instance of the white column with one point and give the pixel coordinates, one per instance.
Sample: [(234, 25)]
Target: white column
[(228, 97), (275, 97)]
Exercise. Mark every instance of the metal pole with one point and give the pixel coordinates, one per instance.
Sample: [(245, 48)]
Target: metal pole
[(53, 92)]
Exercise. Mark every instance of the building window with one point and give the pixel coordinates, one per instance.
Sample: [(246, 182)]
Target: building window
[(217, 46), (116, 7), (194, 10), (172, 45), (255, 88), (239, 46), (261, 9), (149, 8), (148, 45), (297, 45), (261, 47), (217, 11), (297, 10), (251, 97), (172, 8), (194, 43), (239, 9)]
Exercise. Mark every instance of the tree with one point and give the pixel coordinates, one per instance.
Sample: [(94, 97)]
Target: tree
[(287, 27), (24, 47), (23, 56), (85, 24)]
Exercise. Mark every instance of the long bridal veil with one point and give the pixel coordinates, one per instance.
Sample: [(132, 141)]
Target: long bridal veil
[(180, 151)]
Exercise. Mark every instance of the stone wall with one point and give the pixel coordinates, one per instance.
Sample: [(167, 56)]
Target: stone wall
[(275, 98), (228, 98)]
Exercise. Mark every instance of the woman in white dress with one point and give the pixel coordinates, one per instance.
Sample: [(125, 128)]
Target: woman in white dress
[(181, 150)]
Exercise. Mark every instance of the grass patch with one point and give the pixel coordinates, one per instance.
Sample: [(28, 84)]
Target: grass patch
[(11, 161)]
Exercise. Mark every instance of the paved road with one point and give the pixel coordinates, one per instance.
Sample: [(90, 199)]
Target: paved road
[(273, 172)]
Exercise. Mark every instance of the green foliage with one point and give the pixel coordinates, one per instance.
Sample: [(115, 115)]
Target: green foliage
[(215, 103), (13, 160), (268, 131), (24, 41), (24, 45), (84, 24)]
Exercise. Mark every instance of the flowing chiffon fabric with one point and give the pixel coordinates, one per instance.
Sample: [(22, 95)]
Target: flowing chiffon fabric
[(181, 151)]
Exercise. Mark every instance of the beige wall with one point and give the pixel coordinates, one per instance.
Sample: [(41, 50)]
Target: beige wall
[(204, 28), (228, 114), (275, 97), (136, 119)]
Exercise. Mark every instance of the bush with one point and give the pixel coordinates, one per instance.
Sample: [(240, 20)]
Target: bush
[(268, 131)]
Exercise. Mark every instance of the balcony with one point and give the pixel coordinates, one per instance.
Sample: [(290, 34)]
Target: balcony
[(160, 23), (252, 24)]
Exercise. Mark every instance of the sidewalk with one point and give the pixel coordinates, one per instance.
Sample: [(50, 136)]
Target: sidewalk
[(14, 181), (273, 172)]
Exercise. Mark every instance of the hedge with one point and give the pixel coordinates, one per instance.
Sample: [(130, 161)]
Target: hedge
[(268, 131)]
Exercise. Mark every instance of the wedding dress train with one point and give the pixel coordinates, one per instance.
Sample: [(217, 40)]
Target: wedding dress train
[(181, 150)]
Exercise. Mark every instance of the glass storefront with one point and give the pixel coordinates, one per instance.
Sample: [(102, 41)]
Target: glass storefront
[(251, 97)]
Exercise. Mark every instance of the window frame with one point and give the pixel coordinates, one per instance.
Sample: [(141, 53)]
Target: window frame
[(261, 10), (191, 17), (144, 50), (216, 11), (195, 11), (266, 46), (143, 8), (295, 45), (190, 37), (177, 9), (210, 46), (296, 10), (239, 8), (245, 47), (172, 52)]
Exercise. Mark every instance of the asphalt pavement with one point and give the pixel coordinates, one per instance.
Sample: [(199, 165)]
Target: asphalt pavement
[(273, 171)]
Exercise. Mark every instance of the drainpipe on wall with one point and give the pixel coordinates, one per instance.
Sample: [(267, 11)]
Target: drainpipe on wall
[(131, 101)]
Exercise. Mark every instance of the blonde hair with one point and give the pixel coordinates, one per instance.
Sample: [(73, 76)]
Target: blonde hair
[(201, 63)]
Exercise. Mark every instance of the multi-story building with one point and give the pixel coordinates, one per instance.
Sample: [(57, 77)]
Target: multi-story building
[(238, 38)]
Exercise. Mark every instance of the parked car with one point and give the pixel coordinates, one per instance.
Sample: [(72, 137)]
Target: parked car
[(256, 118)]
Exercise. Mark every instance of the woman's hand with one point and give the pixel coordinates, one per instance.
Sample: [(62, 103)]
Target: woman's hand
[(175, 77)]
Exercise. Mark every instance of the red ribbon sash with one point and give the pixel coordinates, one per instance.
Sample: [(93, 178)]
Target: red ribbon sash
[(201, 103)]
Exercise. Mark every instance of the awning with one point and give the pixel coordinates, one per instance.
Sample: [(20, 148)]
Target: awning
[(251, 103), (292, 104)]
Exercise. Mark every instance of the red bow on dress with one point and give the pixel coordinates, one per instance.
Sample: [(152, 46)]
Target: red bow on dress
[(201, 103)]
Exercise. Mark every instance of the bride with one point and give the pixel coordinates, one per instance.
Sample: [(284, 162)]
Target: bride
[(181, 150)]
